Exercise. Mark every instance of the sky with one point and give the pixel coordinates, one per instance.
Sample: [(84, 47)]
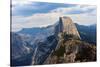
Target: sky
[(28, 14)]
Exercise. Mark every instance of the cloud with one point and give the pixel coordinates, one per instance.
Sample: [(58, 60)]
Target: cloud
[(36, 20), (81, 14), (28, 8), (75, 9), (83, 19), (25, 9)]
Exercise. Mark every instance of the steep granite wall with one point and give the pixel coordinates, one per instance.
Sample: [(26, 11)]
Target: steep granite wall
[(66, 25)]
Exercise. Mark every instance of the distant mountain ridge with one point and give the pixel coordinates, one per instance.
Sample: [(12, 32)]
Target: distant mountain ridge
[(87, 33)]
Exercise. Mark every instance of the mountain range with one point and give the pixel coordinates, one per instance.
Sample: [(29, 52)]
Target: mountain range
[(59, 41)]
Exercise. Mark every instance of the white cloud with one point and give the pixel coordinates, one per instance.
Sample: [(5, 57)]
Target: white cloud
[(78, 9), (36, 20), (45, 19), (83, 19), (61, 10), (86, 15)]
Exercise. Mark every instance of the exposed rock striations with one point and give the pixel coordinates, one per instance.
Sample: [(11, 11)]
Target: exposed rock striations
[(67, 26)]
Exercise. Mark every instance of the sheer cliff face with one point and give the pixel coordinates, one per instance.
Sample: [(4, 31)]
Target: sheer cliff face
[(69, 49), (66, 25)]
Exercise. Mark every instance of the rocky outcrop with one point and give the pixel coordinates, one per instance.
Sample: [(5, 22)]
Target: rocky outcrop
[(71, 51), (70, 48), (66, 25)]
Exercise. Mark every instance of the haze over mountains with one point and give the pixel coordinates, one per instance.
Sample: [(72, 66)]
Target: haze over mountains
[(37, 45)]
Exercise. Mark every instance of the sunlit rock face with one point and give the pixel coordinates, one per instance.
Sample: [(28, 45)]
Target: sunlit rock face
[(66, 25)]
